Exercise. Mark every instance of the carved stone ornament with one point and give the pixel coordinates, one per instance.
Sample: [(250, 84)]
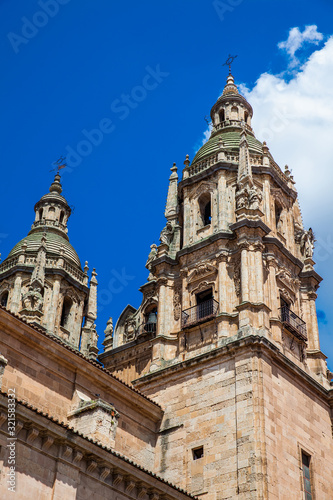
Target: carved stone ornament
[(177, 302), (237, 279), (285, 293), (202, 270), (248, 197), (130, 329), (167, 234), (33, 299), (307, 243), (149, 264), (203, 285), (285, 278)]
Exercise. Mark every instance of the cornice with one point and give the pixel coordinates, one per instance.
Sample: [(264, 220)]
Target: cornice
[(232, 346), (81, 451)]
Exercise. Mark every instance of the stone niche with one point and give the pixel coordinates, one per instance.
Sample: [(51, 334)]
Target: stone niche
[(94, 418)]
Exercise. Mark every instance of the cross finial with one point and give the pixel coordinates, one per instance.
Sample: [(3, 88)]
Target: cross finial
[(59, 164), (229, 62)]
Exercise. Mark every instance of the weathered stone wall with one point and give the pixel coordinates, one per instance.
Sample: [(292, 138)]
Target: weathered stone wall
[(251, 421), (296, 418), (48, 376), (51, 461)]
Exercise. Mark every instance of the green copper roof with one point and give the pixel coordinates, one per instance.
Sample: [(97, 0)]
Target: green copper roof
[(53, 244), (231, 141)]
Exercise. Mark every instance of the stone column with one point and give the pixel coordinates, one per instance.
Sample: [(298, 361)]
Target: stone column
[(16, 297), (244, 274), (223, 279), (187, 219), (259, 273), (312, 322), (50, 326), (223, 203), (161, 313)]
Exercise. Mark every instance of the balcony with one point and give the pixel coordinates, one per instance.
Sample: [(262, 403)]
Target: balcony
[(293, 323), (148, 329), (202, 312)]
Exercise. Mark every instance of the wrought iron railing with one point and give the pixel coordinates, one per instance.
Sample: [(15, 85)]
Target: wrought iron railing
[(147, 328), (293, 323), (202, 312)]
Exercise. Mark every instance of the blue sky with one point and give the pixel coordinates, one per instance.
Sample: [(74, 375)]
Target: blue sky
[(67, 68)]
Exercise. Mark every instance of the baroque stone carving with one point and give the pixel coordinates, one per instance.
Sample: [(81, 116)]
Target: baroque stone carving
[(149, 264), (130, 329), (286, 279), (203, 269), (307, 243), (167, 234), (33, 299), (237, 279), (177, 302), (248, 197)]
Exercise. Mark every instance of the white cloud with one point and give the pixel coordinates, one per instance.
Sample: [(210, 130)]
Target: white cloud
[(295, 117), (298, 39)]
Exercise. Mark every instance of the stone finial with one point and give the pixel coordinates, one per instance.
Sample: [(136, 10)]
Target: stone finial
[(56, 186), (86, 268), (171, 209), (230, 87), (108, 340), (187, 161), (93, 277), (287, 171)]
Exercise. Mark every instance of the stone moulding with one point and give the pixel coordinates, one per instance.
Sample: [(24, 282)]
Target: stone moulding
[(232, 345), (92, 405), (100, 462)]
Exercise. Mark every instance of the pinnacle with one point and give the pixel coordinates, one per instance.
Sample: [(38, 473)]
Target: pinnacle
[(231, 87), (56, 186)]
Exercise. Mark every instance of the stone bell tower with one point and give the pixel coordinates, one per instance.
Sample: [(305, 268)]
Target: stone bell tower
[(42, 281), (233, 247), (226, 337)]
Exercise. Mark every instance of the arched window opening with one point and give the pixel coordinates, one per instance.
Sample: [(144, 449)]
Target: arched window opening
[(51, 210), (66, 312), (61, 219), (150, 318), (40, 214), (278, 213), (222, 115), (234, 113), (246, 116), (4, 299), (205, 209)]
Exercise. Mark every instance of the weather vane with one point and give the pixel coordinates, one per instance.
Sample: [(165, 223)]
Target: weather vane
[(229, 62), (59, 164)]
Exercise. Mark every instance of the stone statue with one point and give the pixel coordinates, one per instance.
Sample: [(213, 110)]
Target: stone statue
[(307, 243), (166, 235), (152, 256), (149, 264), (254, 198)]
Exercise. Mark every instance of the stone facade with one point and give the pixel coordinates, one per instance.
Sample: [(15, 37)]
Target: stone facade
[(216, 382), (234, 347)]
